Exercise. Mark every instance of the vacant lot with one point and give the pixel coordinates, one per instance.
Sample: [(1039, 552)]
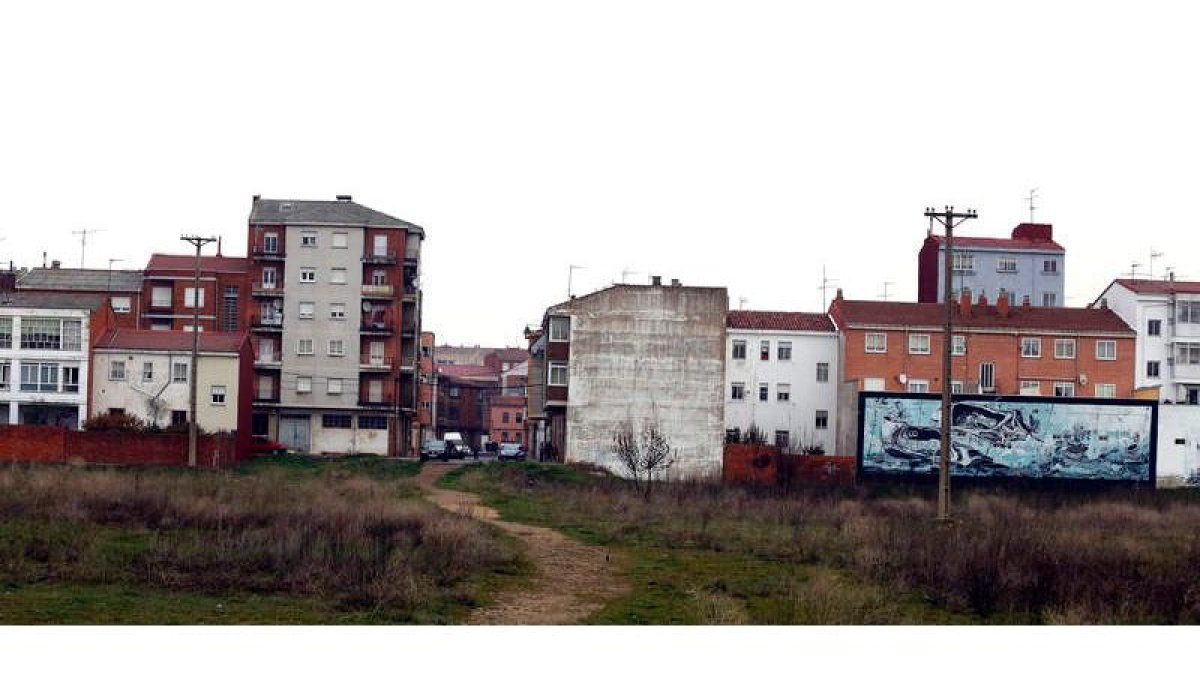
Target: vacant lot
[(711, 554), (282, 541)]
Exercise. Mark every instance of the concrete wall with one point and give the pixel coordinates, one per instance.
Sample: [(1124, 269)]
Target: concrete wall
[(1178, 445), (648, 355)]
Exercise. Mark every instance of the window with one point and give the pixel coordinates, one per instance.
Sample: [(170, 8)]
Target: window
[(43, 376), (1188, 354), (380, 242), (873, 384), (520, 418), (271, 242), (39, 333), (918, 343), (308, 275), (1154, 327), (987, 377), (160, 296), (739, 349), (764, 350), (5, 332), (1049, 300), (337, 275), (1006, 264), (179, 372), (269, 277), (306, 309), (1031, 348), (783, 392), (781, 439), (558, 374), (190, 295), (822, 372), (821, 421), (1106, 391), (784, 351), (958, 345), (5, 377), (147, 371), (379, 278), (335, 421), (876, 343), (763, 392), (122, 305), (738, 391), (1106, 350), (1153, 369), (560, 328), (308, 238), (1031, 388), (504, 418), (304, 346), (337, 311), (918, 386), (372, 422), (964, 262), (1049, 267), (337, 347), (178, 417), (1064, 389), (1189, 311), (217, 394), (1064, 349), (956, 387), (339, 240), (303, 384), (333, 386), (116, 371)]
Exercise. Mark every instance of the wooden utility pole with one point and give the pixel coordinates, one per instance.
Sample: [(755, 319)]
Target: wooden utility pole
[(193, 428), (949, 219)]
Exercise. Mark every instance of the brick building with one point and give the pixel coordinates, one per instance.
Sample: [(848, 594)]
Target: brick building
[(426, 389), (120, 289), (506, 419), (167, 292)]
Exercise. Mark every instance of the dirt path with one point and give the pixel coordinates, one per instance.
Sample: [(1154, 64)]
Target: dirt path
[(571, 580)]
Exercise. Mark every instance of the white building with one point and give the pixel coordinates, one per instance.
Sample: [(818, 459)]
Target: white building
[(146, 374), (781, 378), (1166, 316), (44, 342)]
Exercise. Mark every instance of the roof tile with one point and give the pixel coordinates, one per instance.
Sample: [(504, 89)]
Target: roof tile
[(781, 321), (858, 313)]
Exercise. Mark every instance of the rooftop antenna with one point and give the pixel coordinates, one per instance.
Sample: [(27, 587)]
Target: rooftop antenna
[(625, 274), (1153, 254), (826, 284), (742, 300), (1133, 269), (1032, 199), (886, 285), (1170, 271), (82, 234), (570, 277)]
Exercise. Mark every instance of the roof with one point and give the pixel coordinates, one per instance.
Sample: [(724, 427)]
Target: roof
[(169, 340), (338, 212), (511, 401), (49, 300), (510, 354), (779, 321), (168, 262), (998, 242), (860, 313), (466, 370), (1157, 286), (81, 280)]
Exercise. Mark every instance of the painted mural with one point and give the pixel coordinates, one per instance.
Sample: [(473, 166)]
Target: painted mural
[(1009, 437)]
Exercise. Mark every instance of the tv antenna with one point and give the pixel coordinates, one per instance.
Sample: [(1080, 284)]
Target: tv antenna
[(886, 286), (570, 278), (826, 284), (1032, 199), (625, 274), (1133, 269), (1153, 254), (83, 234), (742, 300)]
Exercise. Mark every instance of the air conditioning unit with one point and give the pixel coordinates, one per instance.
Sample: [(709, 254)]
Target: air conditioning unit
[(1083, 379), (902, 378)]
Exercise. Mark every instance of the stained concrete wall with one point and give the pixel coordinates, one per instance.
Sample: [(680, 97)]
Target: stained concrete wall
[(648, 355)]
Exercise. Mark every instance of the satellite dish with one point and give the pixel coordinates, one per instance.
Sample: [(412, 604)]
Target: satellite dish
[(1082, 379), (366, 305)]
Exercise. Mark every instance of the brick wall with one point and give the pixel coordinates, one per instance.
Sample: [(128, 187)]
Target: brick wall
[(765, 465), (49, 444)]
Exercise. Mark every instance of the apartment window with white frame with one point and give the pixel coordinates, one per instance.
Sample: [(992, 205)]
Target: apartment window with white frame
[(1064, 389), (1049, 267), (308, 238), (116, 370), (783, 392), (271, 242), (340, 240), (1064, 349), (304, 346), (1106, 350), (822, 372), (1188, 311), (876, 343), (1106, 391), (764, 392), (560, 328), (821, 419), (873, 384), (558, 374), (337, 311), (987, 377), (1154, 327), (333, 386), (956, 387), (303, 384), (918, 343), (737, 391), (307, 309), (122, 305), (1031, 348), (308, 275), (160, 296), (784, 350), (764, 350), (179, 372), (337, 275), (190, 295), (1153, 369), (782, 439), (964, 262), (1049, 299), (958, 345), (1006, 264), (1031, 388), (147, 371), (739, 350), (918, 386), (6, 332), (269, 277), (337, 347), (379, 278), (5, 375), (217, 394)]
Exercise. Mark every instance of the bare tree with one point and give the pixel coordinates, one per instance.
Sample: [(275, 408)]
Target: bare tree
[(643, 455)]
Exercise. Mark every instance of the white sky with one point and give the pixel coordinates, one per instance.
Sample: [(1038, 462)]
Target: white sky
[(742, 144)]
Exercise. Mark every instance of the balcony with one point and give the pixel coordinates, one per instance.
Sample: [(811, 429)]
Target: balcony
[(267, 322), (411, 262), (378, 258), (268, 362), (379, 363), (377, 291), (260, 397), (262, 253), (383, 402), (376, 327), (408, 331), (270, 290)]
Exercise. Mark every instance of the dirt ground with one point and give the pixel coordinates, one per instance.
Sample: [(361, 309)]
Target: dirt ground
[(571, 580)]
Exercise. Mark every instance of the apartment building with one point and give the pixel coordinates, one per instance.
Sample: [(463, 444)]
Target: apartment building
[(170, 291), (506, 419), (535, 392), (45, 363), (1166, 316), (120, 289), (427, 389), (335, 319), (1028, 264), (147, 374), (781, 379)]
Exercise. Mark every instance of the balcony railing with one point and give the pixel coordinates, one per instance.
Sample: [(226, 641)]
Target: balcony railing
[(382, 402), (410, 262), (268, 362), (267, 289), (376, 363), (377, 258), (267, 322), (377, 291), (262, 252), (260, 397), (380, 327)]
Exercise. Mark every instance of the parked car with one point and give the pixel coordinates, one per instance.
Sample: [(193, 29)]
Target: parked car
[(261, 445), (511, 451), (433, 449)]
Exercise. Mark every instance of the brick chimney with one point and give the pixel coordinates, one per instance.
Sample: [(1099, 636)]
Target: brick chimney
[(1002, 308), (1025, 301), (1034, 232), (964, 303), (983, 301)]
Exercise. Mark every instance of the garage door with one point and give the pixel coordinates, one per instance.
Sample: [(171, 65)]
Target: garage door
[(294, 432)]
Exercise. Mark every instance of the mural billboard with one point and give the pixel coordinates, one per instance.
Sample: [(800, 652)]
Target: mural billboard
[(1014, 437)]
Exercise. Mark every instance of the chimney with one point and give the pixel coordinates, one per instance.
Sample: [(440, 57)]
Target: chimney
[(255, 198), (983, 301), (838, 296), (344, 198), (656, 281), (43, 260), (1171, 275), (8, 281), (1025, 301), (1002, 307), (55, 264), (218, 247), (1034, 232), (964, 302), (1103, 303), (675, 282)]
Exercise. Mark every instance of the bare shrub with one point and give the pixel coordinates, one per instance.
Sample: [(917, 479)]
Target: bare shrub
[(644, 456)]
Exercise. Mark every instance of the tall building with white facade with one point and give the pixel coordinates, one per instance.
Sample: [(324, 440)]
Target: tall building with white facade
[(336, 318), (1166, 316), (781, 378)]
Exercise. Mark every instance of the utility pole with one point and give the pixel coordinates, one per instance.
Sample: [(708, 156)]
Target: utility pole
[(193, 429), (82, 234), (949, 218)]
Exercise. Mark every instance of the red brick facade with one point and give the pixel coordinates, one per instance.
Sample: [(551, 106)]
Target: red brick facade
[(58, 445)]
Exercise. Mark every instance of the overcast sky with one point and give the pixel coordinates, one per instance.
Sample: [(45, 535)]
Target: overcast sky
[(741, 144)]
